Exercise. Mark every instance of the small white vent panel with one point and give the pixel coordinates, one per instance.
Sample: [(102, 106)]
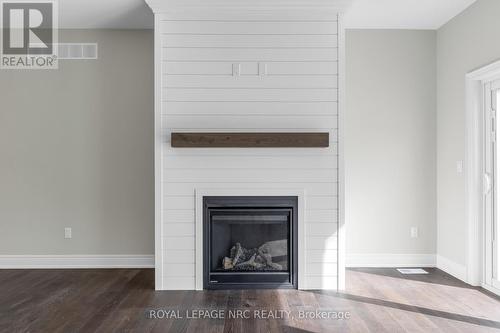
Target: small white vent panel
[(410, 271)]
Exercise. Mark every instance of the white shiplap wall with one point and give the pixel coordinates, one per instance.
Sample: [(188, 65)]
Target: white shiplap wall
[(287, 64)]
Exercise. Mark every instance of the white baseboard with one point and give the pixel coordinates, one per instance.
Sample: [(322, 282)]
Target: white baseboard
[(457, 270), (76, 261), (491, 289), (390, 260), (408, 260)]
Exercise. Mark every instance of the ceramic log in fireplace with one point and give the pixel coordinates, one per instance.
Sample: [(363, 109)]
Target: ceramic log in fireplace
[(249, 242)]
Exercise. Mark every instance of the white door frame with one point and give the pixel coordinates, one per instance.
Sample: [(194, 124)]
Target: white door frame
[(474, 156)]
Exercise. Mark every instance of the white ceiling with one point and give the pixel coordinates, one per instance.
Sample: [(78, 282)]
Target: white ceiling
[(364, 14), (403, 14), (105, 14)]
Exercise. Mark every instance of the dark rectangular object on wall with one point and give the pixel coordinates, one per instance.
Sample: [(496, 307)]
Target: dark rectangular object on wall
[(250, 242), (250, 140)]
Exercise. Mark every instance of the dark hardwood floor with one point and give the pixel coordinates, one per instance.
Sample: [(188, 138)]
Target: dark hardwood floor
[(123, 300)]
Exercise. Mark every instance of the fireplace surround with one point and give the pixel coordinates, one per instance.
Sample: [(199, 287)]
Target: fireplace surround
[(250, 242), (225, 71), (261, 195)]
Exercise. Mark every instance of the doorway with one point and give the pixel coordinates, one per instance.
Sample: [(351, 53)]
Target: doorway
[(491, 184)]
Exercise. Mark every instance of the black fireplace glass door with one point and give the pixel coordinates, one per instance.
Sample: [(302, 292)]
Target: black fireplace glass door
[(250, 240)]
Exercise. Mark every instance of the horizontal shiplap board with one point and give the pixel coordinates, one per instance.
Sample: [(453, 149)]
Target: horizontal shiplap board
[(245, 162), (320, 229), (188, 189), (282, 68), (250, 41), (179, 283), (188, 202), (305, 152), (181, 122), (174, 216), (192, 54), (245, 28), (179, 256), (256, 108), (321, 256), (321, 243), (178, 270), (251, 95), (253, 82), (321, 269), (322, 215), (205, 68), (178, 202), (178, 243), (179, 229), (323, 202), (250, 175), (216, 13), (302, 68), (321, 282)]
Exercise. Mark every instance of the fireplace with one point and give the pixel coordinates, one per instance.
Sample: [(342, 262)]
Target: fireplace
[(249, 242)]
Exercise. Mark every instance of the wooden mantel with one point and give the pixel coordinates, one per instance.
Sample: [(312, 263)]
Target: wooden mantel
[(250, 140)]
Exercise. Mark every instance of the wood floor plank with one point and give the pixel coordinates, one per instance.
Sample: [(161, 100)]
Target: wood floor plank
[(120, 300)]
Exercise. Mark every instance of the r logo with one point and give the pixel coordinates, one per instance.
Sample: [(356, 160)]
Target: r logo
[(28, 28)]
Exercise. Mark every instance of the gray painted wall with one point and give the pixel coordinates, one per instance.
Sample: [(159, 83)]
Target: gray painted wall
[(390, 133), (76, 147), (467, 42)]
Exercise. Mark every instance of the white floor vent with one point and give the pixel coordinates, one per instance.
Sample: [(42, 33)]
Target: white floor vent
[(408, 271), (77, 51)]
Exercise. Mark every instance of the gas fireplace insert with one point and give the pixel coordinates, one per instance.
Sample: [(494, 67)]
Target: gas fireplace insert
[(249, 242)]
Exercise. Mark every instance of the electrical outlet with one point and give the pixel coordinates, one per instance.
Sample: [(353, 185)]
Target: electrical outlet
[(67, 233), (414, 232)]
